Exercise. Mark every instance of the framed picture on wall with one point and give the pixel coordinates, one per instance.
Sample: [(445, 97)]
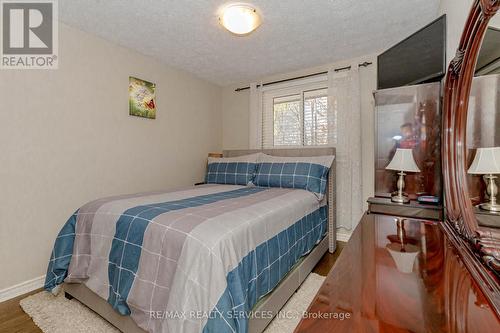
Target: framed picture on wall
[(142, 98)]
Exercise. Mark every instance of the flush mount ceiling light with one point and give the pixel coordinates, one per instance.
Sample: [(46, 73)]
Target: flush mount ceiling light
[(240, 19)]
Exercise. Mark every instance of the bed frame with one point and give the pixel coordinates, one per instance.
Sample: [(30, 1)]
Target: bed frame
[(272, 302)]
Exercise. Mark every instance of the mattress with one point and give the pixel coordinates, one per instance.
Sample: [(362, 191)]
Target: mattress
[(191, 260)]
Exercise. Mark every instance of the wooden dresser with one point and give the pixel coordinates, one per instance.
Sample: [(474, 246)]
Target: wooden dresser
[(376, 287)]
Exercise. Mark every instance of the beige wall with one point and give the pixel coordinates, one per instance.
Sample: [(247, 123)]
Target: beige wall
[(495, 21), (66, 138), (456, 13), (235, 117), (235, 113)]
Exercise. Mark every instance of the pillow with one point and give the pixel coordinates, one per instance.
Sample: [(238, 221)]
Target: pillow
[(307, 173), (231, 171)]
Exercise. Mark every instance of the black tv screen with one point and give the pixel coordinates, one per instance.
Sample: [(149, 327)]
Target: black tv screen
[(417, 59)]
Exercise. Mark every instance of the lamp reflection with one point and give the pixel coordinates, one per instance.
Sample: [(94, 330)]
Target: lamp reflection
[(402, 252)]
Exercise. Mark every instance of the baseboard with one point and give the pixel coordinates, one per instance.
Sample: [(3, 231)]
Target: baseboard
[(21, 288), (343, 236)]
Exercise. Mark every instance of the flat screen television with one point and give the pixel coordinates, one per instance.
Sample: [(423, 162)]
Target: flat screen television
[(419, 58)]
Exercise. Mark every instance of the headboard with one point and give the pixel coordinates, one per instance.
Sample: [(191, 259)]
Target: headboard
[(306, 152)]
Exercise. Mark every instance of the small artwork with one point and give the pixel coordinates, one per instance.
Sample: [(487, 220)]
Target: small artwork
[(142, 98)]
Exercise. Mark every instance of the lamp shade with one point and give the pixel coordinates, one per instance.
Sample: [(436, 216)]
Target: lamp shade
[(486, 161), (403, 161)]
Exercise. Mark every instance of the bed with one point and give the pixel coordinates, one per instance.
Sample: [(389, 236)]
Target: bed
[(198, 259)]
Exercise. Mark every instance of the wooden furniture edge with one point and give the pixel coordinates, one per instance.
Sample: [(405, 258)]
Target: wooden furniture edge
[(482, 277), (475, 244)]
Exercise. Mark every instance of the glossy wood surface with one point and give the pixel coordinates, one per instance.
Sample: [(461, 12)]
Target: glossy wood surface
[(368, 290), (413, 209)]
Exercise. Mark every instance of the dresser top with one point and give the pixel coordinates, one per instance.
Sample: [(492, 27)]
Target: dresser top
[(412, 203), (406, 278)]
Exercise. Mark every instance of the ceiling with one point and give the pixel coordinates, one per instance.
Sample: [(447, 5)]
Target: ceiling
[(295, 34)]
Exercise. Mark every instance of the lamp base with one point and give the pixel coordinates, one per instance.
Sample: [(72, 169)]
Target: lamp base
[(490, 207), (402, 199)]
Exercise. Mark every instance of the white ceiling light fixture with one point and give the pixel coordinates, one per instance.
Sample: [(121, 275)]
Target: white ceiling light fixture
[(239, 18)]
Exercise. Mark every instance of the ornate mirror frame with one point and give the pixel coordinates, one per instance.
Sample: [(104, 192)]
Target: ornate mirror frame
[(474, 244)]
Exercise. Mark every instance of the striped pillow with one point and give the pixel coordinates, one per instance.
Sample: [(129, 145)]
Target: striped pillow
[(307, 173), (231, 171)]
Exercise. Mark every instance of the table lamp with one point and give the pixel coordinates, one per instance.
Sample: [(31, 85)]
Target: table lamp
[(402, 161), (487, 162)]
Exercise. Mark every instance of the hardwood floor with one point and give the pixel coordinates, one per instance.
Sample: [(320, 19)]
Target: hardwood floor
[(326, 263), (14, 320)]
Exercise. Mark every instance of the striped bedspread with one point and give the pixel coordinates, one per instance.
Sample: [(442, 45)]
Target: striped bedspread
[(191, 260)]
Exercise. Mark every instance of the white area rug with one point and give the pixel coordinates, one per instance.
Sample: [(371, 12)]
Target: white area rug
[(60, 315), (291, 313)]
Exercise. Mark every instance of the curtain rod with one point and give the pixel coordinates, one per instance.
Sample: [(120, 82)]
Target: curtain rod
[(364, 64)]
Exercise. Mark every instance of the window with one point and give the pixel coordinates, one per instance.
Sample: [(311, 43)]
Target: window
[(316, 117), (288, 121), (298, 116)]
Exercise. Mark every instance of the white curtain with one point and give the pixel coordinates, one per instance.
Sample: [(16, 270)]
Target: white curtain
[(255, 117), (344, 99)]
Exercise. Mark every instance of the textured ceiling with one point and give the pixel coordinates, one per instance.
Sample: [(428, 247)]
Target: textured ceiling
[(295, 34)]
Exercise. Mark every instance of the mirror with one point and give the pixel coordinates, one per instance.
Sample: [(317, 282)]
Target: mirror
[(404, 118), (488, 61), (483, 124), (470, 121)]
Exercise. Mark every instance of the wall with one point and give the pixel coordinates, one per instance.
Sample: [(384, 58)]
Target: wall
[(495, 21), (235, 117), (456, 13), (66, 138), (235, 113)]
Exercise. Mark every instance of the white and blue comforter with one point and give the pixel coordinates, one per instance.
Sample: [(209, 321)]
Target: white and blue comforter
[(192, 260)]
